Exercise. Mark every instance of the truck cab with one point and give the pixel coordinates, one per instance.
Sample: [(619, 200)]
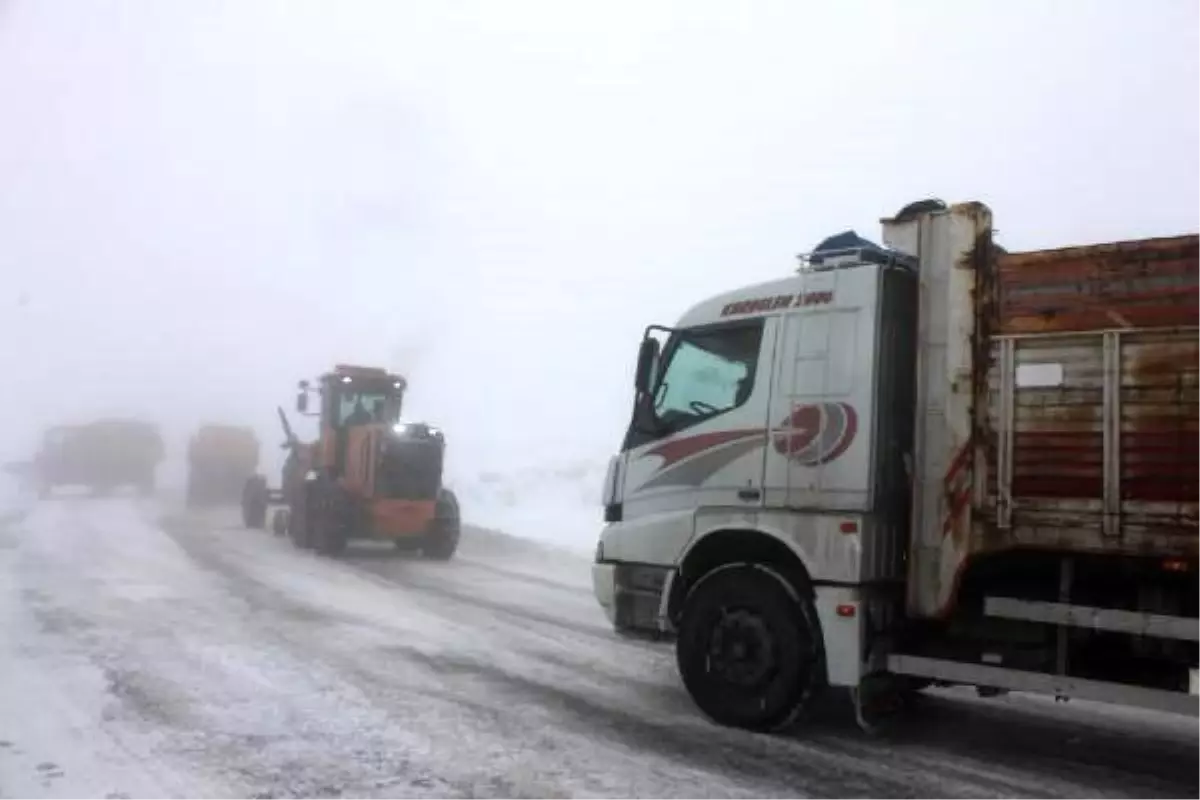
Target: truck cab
[(813, 490), (761, 451)]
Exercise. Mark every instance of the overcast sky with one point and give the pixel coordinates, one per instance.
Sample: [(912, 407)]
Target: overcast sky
[(201, 202)]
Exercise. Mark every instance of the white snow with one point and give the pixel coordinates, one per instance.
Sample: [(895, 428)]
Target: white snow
[(559, 504), (151, 655), (237, 665)]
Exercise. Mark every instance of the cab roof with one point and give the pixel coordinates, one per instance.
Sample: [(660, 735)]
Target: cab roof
[(361, 372)]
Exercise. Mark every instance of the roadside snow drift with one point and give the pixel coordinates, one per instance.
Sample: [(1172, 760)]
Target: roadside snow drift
[(558, 505)]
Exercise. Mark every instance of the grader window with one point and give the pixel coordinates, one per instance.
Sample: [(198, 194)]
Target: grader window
[(366, 407)]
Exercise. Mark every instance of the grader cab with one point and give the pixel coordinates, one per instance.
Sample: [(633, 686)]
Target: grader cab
[(369, 475)]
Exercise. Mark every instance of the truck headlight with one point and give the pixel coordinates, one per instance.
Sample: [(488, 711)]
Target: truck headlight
[(416, 429)]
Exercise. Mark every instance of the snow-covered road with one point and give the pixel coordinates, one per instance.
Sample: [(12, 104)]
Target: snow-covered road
[(148, 653)]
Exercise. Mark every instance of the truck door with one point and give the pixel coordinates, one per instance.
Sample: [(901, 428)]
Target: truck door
[(704, 445), (822, 407)]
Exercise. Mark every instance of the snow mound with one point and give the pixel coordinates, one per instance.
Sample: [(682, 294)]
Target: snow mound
[(558, 505)]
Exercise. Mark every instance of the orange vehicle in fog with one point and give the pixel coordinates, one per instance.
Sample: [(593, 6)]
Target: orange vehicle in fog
[(369, 475)]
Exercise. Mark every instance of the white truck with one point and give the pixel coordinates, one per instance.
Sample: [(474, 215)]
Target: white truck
[(925, 462)]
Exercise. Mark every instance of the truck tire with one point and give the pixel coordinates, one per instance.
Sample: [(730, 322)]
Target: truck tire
[(327, 519), (441, 541), (299, 524), (279, 522), (749, 649), (254, 502)]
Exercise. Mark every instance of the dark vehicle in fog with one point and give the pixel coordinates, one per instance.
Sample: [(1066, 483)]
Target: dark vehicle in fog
[(220, 460), (103, 455)]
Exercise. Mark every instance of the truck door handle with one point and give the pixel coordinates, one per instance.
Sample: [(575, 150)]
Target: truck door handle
[(749, 494)]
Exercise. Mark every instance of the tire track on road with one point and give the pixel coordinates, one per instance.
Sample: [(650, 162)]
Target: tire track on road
[(372, 672), (955, 748), (525, 577), (671, 729)]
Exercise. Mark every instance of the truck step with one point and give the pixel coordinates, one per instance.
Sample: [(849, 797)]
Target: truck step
[(970, 674)]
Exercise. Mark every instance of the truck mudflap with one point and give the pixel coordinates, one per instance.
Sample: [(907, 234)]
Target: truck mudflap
[(1059, 686), (841, 611)]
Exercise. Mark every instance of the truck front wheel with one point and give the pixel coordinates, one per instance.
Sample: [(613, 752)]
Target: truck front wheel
[(298, 524), (328, 518), (441, 540), (749, 648)]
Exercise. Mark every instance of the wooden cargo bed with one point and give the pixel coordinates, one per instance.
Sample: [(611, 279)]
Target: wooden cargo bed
[(1092, 398)]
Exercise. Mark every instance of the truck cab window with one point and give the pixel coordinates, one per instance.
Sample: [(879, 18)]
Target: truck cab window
[(707, 372), (362, 407)]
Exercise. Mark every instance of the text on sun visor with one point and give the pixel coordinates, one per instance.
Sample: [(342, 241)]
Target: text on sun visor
[(760, 305)]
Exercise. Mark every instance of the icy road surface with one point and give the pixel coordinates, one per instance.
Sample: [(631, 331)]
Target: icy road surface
[(150, 654)]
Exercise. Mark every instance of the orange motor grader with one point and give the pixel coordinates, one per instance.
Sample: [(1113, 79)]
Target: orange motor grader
[(369, 475)]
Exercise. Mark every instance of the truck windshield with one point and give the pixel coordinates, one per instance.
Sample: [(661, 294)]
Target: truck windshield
[(366, 407), (707, 372)]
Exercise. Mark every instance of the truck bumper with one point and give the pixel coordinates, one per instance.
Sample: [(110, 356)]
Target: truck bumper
[(604, 587)]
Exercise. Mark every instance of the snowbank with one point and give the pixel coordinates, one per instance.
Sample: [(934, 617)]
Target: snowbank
[(558, 505)]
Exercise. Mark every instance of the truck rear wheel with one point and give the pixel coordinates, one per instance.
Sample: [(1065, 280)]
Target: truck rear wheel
[(441, 541), (254, 502), (749, 648)]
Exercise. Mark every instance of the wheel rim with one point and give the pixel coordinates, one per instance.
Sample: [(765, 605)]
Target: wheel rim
[(742, 649)]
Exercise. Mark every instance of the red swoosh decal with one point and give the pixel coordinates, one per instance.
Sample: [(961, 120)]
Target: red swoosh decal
[(676, 450)]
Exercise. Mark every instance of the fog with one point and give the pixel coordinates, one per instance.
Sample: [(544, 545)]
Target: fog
[(205, 201)]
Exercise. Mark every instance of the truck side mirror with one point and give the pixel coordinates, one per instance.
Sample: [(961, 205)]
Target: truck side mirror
[(302, 402), (647, 357)]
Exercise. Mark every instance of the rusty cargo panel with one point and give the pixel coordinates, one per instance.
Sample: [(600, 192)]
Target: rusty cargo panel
[(1093, 406), (1134, 284), (953, 246), (1057, 402), (1159, 413)]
